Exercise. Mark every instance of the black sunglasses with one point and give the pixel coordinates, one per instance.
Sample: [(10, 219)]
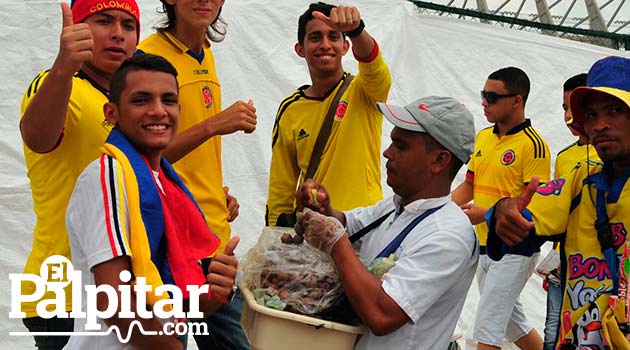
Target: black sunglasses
[(493, 97)]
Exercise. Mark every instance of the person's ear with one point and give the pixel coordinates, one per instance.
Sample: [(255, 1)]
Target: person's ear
[(518, 101), (299, 49), (171, 2), (441, 161), (110, 110), (346, 45)]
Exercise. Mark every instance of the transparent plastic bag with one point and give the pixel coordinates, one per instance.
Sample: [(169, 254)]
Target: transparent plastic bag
[(302, 276)]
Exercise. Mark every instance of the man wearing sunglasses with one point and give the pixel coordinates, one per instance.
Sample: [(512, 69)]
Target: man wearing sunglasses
[(506, 156)]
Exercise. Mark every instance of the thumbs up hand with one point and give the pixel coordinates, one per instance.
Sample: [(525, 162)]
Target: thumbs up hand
[(75, 45), (222, 272), (342, 18), (511, 226)]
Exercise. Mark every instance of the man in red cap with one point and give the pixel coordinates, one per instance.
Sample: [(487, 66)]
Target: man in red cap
[(588, 209), (62, 127)]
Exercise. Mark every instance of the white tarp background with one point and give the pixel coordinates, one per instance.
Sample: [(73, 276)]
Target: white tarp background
[(426, 55)]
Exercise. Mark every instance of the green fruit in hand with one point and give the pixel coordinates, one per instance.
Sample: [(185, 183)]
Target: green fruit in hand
[(314, 194)]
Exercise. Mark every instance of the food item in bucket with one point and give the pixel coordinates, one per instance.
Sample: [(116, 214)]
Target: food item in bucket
[(286, 238), (302, 291), (300, 275)]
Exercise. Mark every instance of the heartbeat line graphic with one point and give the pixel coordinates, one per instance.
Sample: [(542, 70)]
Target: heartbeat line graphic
[(109, 331)]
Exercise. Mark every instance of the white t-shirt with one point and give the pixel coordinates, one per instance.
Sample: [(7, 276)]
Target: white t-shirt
[(437, 262), (90, 243)]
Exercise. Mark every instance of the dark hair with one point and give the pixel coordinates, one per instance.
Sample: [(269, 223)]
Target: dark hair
[(574, 82), (215, 32), (308, 15), (140, 62), (431, 144), (514, 79)]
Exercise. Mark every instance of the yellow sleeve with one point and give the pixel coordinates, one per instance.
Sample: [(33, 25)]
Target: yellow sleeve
[(472, 162), (556, 167), (539, 162), (375, 79), (283, 175), (551, 205)]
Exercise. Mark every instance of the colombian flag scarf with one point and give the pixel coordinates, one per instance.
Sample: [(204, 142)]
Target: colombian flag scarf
[(168, 232)]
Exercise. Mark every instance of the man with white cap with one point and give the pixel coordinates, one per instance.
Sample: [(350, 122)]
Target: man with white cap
[(589, 210), (416, 303)]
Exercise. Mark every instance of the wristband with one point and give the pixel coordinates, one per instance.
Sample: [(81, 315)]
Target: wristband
[(217, 297), (222, 299), (357, 31)]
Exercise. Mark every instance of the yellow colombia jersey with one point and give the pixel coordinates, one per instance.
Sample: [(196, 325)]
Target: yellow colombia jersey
[(52, 175), (350, 164), (567, 204), (200, 99), (568, 158), (502, 167)]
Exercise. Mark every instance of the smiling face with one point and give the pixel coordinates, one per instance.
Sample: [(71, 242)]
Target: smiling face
[(148, 112), (115, 38), (607, 123), (323, 49)]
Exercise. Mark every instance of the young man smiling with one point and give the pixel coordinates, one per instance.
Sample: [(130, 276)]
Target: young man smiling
[(350, 159), (506, 156), (62, 129), (130, 203)]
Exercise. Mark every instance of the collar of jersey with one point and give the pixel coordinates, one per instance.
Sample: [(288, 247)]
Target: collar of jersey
[(514, 130), (304, 87), (171, 39), (601, 181)]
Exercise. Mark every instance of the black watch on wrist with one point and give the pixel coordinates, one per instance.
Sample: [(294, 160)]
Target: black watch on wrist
[(357, 31), (231, 296)]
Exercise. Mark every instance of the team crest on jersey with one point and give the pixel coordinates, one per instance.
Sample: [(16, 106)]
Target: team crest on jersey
[(508, 157), (207, 96), (341, 110)]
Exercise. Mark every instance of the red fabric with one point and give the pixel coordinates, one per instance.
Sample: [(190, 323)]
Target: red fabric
[(188, 238), (470, 176), (370, 57), (82, 9)]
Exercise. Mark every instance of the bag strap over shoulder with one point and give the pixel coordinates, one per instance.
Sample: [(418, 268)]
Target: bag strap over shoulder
[(324, 132), (367, 229)]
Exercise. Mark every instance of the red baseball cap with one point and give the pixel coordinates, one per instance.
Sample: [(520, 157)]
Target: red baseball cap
[(82, 9)]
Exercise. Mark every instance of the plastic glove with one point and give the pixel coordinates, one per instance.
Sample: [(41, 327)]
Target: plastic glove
[(321, 231)]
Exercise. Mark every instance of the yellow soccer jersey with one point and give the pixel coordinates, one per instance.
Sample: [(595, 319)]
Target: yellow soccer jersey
[(350, 164), (567, 204), (52, 175), (568, 158), (200, 99), (501, 167)]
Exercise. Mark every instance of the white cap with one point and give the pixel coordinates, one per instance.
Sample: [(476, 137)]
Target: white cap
[(448, 121)]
